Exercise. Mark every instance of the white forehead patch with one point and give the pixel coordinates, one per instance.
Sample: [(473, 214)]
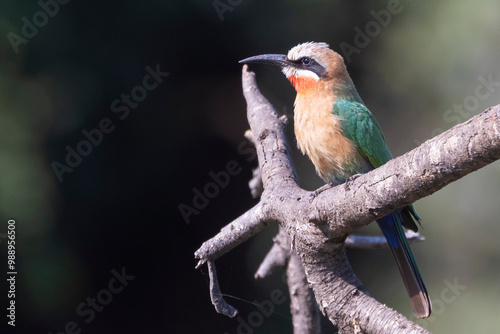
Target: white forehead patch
[(308, 49)]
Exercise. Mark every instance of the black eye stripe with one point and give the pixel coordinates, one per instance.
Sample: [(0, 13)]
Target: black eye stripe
[(308, 63)]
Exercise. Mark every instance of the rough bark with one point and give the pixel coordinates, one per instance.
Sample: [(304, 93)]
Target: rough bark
[(303, 306), (319, 223)]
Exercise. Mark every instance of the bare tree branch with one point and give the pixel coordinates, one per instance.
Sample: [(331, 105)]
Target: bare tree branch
[(318, 224), (277, 257), (221, 306), (305, 312), (240, 230), (376, 242), (303, 306), (255, 183)]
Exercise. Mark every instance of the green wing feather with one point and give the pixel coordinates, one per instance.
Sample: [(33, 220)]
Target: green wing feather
[(361, 127)]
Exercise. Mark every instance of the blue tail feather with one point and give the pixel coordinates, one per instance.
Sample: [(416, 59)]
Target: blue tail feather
[(392, 229)]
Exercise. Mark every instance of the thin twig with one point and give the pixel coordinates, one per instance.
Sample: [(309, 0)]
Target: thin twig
[(233, 234), (377, 242), (277, 257), (221, 306)]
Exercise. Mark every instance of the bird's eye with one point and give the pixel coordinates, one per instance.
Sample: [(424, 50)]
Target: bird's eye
[(306, 60)]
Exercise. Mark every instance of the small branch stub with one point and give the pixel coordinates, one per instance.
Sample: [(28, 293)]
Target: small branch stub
[(220, 304)]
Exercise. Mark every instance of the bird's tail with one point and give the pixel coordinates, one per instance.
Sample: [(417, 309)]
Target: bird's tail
[(393, 231)]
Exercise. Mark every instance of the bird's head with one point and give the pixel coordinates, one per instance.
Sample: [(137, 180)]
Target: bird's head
[(306, 64)]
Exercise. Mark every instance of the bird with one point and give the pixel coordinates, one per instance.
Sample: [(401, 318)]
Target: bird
[(342, 138)]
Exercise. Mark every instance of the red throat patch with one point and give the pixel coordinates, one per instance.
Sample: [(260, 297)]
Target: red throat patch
[(301, 83)]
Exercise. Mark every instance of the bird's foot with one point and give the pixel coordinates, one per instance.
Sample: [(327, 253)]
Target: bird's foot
[(350, 180), (318, 191)]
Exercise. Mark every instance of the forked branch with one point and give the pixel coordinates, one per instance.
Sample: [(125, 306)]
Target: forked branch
[(319, 225)]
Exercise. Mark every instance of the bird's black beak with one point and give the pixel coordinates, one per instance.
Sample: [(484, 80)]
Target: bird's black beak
[(271, 59)]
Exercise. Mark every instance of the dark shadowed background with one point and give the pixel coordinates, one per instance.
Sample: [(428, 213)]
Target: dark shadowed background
[(98, 156)]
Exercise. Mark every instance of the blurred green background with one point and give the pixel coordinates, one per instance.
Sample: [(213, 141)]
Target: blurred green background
[(419, 69)]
